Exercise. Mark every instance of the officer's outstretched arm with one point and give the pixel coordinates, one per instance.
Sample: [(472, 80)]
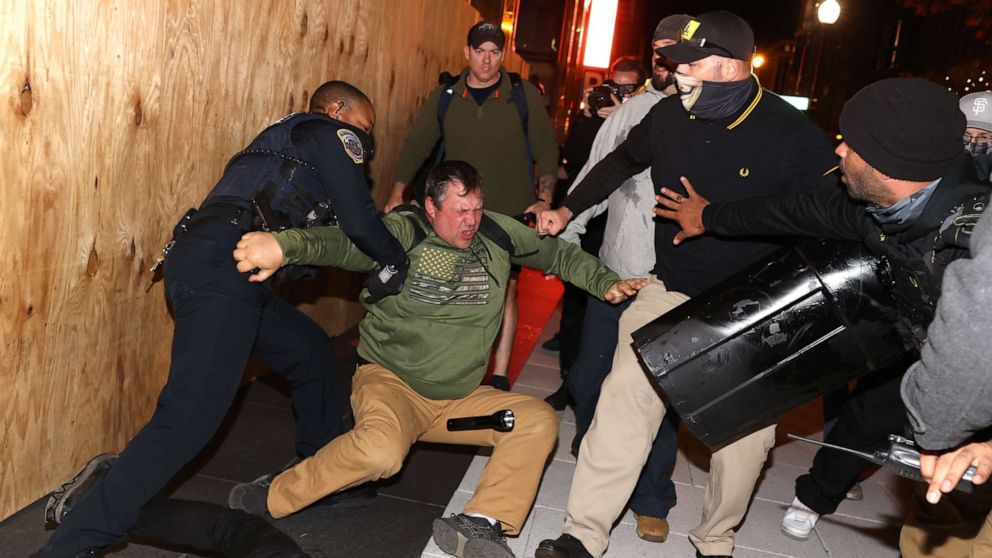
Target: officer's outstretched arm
[(258, 251)]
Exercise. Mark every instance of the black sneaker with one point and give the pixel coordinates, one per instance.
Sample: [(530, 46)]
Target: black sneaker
[(565, 546), (470, 537), (252, 497), (553, 344), (500, 382), (560, 398), (71, 493)]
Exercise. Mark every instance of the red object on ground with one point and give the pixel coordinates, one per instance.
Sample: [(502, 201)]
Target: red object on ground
[(537, 297)]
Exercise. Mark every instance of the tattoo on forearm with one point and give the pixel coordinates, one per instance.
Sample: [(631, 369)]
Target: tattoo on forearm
[(546, 187)]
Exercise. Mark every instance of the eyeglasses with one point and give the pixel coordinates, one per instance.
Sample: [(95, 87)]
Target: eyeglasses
[(623, 90), (980, 138)]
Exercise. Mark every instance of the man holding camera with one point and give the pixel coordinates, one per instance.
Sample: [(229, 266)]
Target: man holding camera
[(497, 123), (423, 353), (740, 141), (626, 77)]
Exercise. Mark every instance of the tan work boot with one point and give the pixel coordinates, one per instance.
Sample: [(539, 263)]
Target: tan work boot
[(654, 529)]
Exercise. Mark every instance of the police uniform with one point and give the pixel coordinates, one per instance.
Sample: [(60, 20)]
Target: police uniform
[(765, 148), (311, 169)]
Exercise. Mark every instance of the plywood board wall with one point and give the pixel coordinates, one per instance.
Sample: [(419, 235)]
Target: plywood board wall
[(117, 115)]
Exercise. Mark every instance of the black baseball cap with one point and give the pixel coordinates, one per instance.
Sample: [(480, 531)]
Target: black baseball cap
[(486, 31), (719, 32)]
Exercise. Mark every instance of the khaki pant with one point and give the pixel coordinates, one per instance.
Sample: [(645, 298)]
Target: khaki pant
[(390, 417), (959, 526), (616, 447)]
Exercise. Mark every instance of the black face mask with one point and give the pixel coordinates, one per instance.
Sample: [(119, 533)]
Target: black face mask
[(714, 100), (976, 148)]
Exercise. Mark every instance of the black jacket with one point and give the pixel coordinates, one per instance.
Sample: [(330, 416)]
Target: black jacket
[(305, 162), (916, 262), (768, 148)]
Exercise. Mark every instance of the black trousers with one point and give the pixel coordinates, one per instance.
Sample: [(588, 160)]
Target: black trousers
[(874, 411), (220, 320), (212, 528), (573, 306)]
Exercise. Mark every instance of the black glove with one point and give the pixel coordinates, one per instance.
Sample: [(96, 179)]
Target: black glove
[(388, 281)]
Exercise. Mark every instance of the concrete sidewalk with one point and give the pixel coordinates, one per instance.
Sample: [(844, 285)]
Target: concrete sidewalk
[(859, 529)]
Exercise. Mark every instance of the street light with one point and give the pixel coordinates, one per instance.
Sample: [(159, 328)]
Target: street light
[(758, 60), (828, 12)]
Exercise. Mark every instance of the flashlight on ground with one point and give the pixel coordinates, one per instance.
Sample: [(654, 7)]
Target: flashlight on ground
[(500, 421)]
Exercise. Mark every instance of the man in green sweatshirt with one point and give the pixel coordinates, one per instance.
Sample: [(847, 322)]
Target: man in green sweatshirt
[(497, 123), (423, 354)]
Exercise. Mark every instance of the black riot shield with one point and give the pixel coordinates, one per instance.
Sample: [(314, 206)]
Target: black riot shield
[(799, 324)]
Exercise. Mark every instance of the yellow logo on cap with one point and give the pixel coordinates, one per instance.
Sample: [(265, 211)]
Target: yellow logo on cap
[(690, 29), (744, 172)]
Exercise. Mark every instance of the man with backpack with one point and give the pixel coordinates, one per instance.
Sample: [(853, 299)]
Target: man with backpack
[(422, 355), (496, 122)]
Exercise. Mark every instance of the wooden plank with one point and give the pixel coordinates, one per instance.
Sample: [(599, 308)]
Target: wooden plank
[(117, 116)]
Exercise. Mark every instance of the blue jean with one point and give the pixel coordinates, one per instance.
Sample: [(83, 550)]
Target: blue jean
[(220, 320), (654, 494)]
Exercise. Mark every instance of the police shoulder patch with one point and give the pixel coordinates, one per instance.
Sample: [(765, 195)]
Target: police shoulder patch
[(352, 145)]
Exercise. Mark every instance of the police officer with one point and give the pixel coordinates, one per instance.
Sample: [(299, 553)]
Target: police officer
[(306, 169), (911, 197)]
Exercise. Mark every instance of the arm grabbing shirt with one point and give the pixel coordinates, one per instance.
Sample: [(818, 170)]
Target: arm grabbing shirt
[(826, 212), (317, 142)]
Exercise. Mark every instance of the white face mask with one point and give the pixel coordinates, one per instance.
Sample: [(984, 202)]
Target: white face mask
[(690, 89)]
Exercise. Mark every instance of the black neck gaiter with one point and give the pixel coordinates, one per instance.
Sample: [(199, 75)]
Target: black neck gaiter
[(714, 100)]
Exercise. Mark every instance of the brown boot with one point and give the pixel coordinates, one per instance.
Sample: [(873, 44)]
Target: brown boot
[(654, 529)]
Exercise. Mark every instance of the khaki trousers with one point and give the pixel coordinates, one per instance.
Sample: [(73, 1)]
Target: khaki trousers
[(616, 447), (959, 526), (390, 417)]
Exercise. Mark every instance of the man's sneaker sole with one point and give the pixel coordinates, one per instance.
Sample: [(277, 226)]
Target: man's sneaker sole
[(795, 535), (53, 508), (450, 541)]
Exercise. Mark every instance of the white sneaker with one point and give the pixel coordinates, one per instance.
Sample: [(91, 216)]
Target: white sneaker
[(799, 521)]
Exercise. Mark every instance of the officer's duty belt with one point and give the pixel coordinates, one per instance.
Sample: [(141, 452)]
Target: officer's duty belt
[(237, 216)]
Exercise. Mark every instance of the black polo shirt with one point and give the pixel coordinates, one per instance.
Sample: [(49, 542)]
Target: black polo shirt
[(767, 148)]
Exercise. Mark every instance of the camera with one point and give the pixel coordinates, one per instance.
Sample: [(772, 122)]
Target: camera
[(599, 97)]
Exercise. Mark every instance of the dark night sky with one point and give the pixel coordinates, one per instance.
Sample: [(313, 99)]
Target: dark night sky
[(771, 19)]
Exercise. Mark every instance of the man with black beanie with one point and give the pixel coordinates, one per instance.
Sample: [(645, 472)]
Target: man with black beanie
[(911, 191)]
